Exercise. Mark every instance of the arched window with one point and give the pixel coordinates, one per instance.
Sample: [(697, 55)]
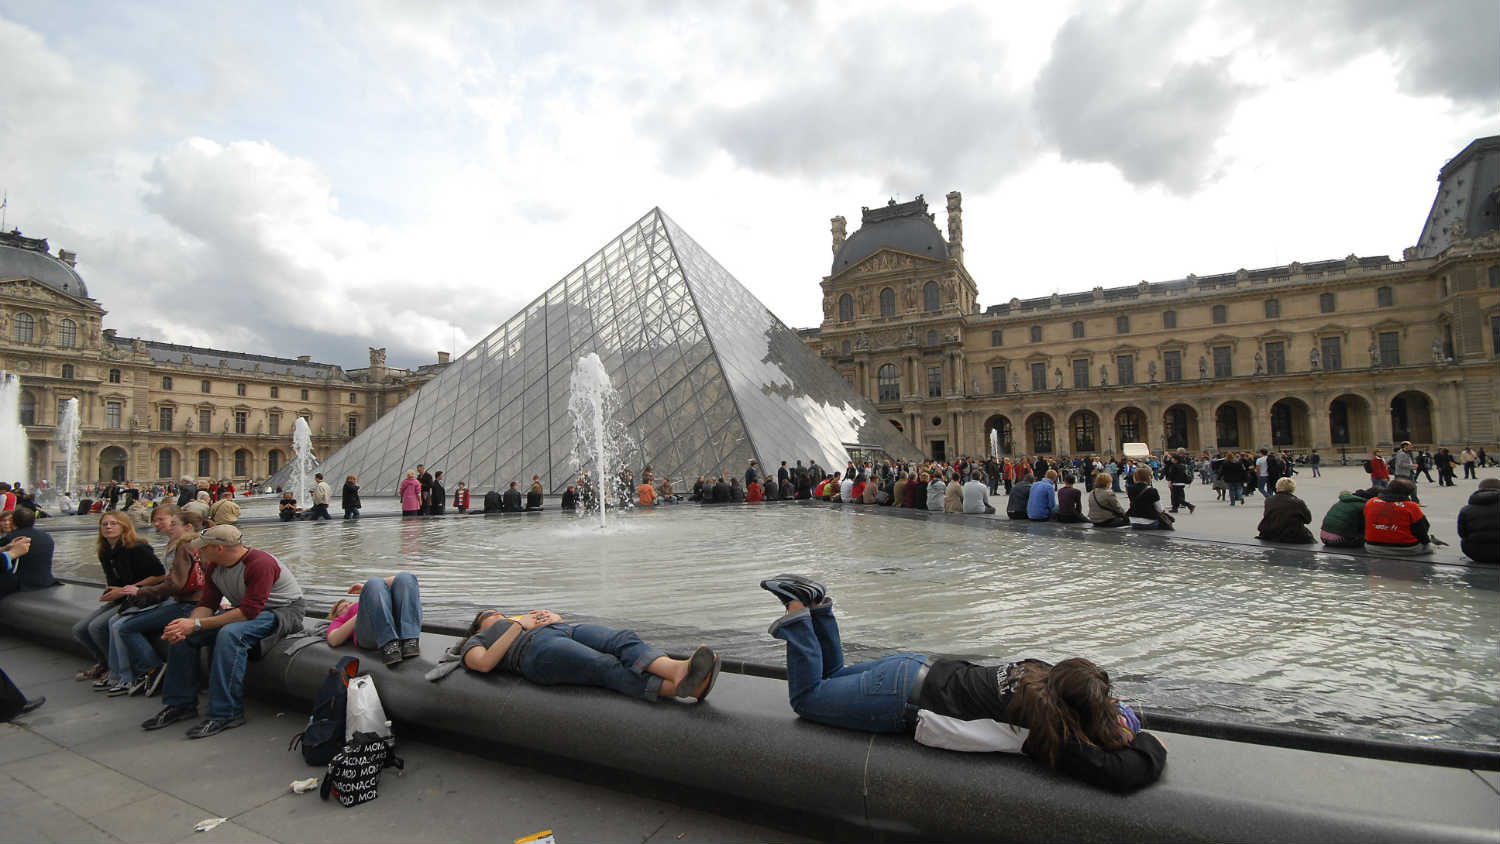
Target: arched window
[(164, 464), (1273, 309), (887, 302), (1077, 328), (1169, 319), (846, 308), (1122, 325), (25, 325), (930, 299), (67, 371), (114, 376), (67, 334), (1220, 314), (1385, 297), (889, 382)]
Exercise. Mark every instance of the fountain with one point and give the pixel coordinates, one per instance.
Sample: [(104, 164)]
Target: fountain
[(302, 449), (14, 449), (995, 443), (600, 440), (67, 443)]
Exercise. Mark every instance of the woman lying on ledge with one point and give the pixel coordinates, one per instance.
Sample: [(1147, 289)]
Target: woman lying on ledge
[(388, 617), (1061, 715), (542, 648)]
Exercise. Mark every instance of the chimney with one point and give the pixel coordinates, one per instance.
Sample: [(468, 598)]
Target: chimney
[(442, 358), (838, 234), (69, 258), (109, 333), (956, 226), (377, 364)]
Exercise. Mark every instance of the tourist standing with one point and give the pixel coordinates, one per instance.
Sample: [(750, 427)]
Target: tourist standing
[(461, 498), (1402, 464), (1469, 457), (1379, 470), (350, 498), (1444, 461), (1178, 477), (1316, 463), (411, 495), (438, 495), (424, 480)]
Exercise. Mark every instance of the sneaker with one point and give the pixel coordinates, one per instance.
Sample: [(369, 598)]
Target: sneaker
[(792, 587), (93, 672), (157, 677), (169, 715), (117, 689), (142, 682), (411, 648), (213, 726), (103, 683), (390, 652), (31, 704)]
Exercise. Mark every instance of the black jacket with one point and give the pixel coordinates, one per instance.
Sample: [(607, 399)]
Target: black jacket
[(1232, 471), (351, 496), (492, 502), (1179, 473), (34, 568), (1143, 501), (511, 501), (1285, 519), (439, 497), (124, 565), (1479, 527), (186, 493)]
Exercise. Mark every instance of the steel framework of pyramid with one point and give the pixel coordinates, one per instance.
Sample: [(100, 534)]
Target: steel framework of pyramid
[(708, 378)]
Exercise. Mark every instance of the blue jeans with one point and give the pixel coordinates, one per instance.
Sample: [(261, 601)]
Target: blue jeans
[(226, 679), (1235, 493), (592, 655), (319, 511), (93, 631), (1317, 470), (130, 655), (351, 513), (871, 696), (387, 613)]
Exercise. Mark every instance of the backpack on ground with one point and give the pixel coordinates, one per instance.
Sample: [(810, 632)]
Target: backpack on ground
[(324, 736), (354, 772)]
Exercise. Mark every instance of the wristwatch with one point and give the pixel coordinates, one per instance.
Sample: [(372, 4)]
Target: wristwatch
[(197, 624)]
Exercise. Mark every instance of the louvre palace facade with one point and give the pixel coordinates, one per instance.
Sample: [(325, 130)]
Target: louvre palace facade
[(1339, 355), (153, 411)]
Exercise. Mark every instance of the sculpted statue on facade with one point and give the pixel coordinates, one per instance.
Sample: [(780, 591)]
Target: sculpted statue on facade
[(1103, 375), (911, 295), (1202, 366), (827, 307), (864, 301), (1260, 364), (1151, 371), (1374, 355), (1437, 351), (1058, 372), (1315, 358), (1015, 383)]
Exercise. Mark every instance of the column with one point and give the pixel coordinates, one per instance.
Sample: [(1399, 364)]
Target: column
[(1208, 433), (1318, 422), (1380, 424)]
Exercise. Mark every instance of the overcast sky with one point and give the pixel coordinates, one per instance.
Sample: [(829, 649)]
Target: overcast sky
[(316, 178)]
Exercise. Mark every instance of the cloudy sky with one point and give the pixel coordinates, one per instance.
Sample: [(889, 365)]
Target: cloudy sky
[(315, 178)]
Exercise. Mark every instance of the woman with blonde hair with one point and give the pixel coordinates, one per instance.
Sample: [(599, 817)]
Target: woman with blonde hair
[(127, 560), (411, 495), (152, 608)]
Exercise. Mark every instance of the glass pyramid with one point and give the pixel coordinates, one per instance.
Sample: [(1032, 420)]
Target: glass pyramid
[(708, 378)]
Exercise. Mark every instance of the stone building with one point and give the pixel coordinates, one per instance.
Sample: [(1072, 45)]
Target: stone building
[(1338, 355), (155, 411)]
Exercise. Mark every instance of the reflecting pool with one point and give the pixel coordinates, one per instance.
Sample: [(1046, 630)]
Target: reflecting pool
[(1317, 641)]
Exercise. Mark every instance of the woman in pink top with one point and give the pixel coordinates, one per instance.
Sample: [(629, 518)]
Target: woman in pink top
[(411, 495), (388, 617)]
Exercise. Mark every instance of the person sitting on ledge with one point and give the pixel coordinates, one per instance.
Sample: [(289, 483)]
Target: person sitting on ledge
[(510, 502), (544, 649), (754, 492), (1145, 503), (666, 493), (1062, 715), (1285, 517), (1020, 495), (937, 492), (645, 494), (570, 499), (534, 495), (1344, 523), (1394, 523), (387, 617), (1479, 522), (976, 495), (1069, 502), (1042, 501), (1104, 506), (32, 569), (720, 491)]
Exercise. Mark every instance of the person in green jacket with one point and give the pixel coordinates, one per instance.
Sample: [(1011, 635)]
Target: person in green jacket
[(1344, 523)]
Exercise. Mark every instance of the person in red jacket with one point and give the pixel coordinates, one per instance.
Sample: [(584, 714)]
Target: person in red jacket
[(461, 498), (755, 492), (1380, 471), (1394, 523)]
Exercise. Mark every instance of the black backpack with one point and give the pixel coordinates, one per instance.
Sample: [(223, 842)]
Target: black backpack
[(354, 772), (324, 736)]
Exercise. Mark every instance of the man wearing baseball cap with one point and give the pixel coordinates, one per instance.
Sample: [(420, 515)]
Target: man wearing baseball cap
[(265, 604)]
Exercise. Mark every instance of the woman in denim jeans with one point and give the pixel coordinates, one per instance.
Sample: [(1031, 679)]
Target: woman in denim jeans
[(542, 648), (127, 560), (388, 617), (149, 609), (1062, 715)]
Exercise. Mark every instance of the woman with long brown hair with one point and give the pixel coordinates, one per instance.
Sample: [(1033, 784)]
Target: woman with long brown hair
[(1064, 716), (127, 560)]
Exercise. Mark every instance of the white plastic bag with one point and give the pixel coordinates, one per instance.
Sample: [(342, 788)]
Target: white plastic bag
[(363, 712)]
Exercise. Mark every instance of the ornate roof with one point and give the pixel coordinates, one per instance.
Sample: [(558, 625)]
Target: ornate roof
[(27, 257), (905, 226)]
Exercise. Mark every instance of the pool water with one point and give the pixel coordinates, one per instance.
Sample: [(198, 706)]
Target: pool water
[(1310, 640)]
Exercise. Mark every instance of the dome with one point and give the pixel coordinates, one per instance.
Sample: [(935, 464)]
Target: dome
[(906, 227), (30, 261)]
